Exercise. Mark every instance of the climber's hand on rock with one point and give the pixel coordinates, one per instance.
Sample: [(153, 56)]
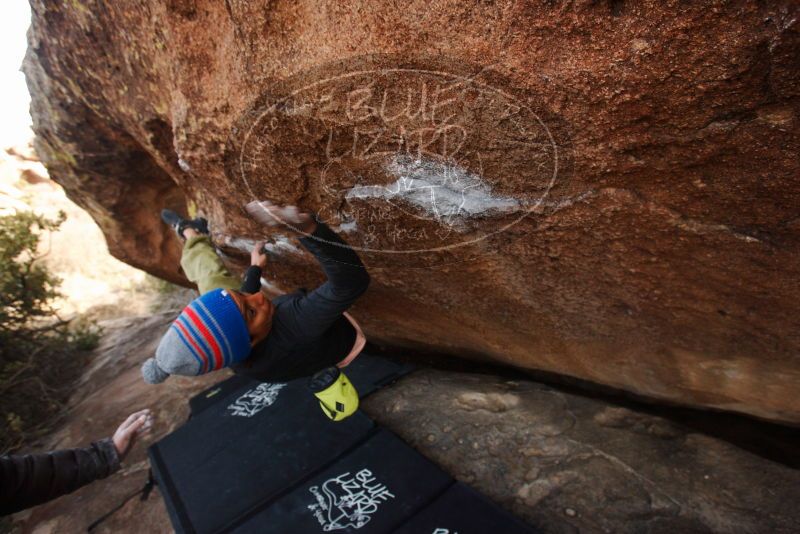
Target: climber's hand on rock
[(136, 424), (269, 214), (257, 256)]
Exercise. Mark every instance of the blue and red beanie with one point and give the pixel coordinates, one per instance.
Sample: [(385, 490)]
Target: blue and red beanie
[(209, 334)]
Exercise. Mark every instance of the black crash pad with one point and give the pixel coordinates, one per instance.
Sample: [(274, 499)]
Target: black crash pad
[(219, 393), (236, 454), (259, 457), (368, 373), (462, 510), (371, 490)]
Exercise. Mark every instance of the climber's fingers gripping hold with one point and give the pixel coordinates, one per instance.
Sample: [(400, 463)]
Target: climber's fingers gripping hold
[(258, 255)]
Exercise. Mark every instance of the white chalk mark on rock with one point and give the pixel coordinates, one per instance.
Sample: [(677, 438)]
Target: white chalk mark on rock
[(446, 192), (348, 227), (269, 286), (281, 244)]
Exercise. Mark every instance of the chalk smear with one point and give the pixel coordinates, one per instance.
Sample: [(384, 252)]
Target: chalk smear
[(347, 227), (443, 191), (281, 244), (269, 286)]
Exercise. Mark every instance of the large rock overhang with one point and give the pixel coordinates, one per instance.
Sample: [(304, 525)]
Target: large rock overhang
[(605, 193)]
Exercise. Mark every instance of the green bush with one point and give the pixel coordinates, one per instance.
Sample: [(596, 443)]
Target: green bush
[(40, 354)]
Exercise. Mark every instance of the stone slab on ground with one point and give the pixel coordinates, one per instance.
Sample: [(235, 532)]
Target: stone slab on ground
[(567, 463)]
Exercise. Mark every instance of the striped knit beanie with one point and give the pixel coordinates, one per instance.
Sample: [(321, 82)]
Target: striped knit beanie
[(209, 334)]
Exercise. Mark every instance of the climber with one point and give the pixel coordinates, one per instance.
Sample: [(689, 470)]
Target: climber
[(31, 479), (292, 336)]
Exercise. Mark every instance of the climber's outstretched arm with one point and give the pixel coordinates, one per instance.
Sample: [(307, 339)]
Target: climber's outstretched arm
[(347, 280)]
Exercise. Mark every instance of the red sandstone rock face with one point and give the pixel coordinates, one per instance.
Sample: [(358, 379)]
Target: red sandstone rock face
[(602, 190)]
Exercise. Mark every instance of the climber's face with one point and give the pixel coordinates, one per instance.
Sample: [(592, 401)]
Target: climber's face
[(257, 311)]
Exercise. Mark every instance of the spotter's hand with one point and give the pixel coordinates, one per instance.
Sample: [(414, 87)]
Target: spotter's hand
[(136, 424), (269, 214)]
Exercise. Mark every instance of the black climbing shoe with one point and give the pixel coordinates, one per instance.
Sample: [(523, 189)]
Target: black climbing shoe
[(172, 219), (179, 224), (200, 224)]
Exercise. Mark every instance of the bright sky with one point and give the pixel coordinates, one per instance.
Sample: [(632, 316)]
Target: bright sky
[(14, 98)]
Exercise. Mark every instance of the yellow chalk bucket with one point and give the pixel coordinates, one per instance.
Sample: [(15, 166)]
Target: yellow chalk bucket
[(337, 396)]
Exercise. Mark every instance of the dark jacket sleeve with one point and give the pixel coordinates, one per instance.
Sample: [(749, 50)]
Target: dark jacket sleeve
[(252, 280), (348, 279), (28, 480)]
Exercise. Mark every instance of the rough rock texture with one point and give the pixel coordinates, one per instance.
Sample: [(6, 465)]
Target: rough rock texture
[(559, 461), (567, 464), (606, 190)]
